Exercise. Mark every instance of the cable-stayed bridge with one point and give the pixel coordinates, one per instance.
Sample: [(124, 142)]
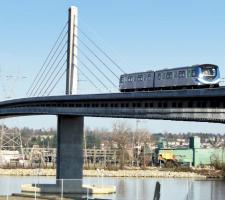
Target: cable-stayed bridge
[(92, 63), (63, 61)]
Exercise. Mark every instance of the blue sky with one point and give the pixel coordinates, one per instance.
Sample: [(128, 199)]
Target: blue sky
[(139, 35)]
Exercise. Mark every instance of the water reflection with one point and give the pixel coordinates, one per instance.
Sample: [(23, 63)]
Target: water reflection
[(135, 188)]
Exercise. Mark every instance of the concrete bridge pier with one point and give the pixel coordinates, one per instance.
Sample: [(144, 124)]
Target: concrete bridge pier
[(70, 152), (69, 172)]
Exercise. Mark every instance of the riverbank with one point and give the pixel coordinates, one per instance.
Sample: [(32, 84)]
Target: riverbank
[(156, 173)]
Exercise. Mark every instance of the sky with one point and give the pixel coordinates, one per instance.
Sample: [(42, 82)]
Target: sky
[(139, 35)]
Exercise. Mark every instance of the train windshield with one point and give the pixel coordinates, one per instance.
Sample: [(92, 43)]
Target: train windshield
[(209, 72)]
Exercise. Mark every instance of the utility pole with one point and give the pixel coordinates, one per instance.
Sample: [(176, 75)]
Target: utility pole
[(72, 72), (85, 149), (137, 121)]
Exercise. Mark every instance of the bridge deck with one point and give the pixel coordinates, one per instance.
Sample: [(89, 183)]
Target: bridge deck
[(159, 94), (184, 105)]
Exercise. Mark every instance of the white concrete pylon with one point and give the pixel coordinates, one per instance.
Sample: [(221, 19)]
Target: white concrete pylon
[(72, 72)]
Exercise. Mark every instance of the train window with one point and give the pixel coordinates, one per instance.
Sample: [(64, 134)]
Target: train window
[(189, 73), (140, 78), (181, 74), (159, 76), (169, 75), (193, 73), (130, 78), (164, 76), (175, 74), (209, 71), (149, 76), (121, 79)]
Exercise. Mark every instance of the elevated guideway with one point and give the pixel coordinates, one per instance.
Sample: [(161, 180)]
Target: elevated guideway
[(190, 105)]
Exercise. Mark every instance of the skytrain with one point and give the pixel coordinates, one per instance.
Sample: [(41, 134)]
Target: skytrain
[(195, 76)]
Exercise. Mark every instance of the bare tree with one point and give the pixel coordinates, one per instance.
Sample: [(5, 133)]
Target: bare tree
[(121, 135), (142, 138)]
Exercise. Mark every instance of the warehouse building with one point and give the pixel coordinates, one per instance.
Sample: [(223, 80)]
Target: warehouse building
[(194, 155)]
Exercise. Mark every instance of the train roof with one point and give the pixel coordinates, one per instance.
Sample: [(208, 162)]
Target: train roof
[(177, 68), (168, 69), (150, 71)]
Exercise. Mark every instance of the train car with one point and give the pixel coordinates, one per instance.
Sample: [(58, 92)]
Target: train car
[(196, 76), (141, 81)]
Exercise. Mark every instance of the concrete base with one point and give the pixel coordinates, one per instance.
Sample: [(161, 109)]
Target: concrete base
[(56, 189)]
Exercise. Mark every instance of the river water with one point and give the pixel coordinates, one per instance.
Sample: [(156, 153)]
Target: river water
[(134, 188)]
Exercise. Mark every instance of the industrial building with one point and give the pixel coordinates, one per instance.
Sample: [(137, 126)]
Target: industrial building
[(194, 155)]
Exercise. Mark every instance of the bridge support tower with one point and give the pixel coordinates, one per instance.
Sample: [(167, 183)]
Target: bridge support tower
[(72, 72), (70, 151), (69, 171)]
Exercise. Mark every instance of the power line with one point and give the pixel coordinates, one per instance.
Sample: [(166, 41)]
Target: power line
[(104, 53), (98, 58), (34, 88), (54, 45), (95, 66)]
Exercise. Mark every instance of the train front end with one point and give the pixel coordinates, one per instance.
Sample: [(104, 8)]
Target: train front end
[(208, 74)]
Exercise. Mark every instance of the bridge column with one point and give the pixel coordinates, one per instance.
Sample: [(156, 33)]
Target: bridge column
[(70, 151)]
